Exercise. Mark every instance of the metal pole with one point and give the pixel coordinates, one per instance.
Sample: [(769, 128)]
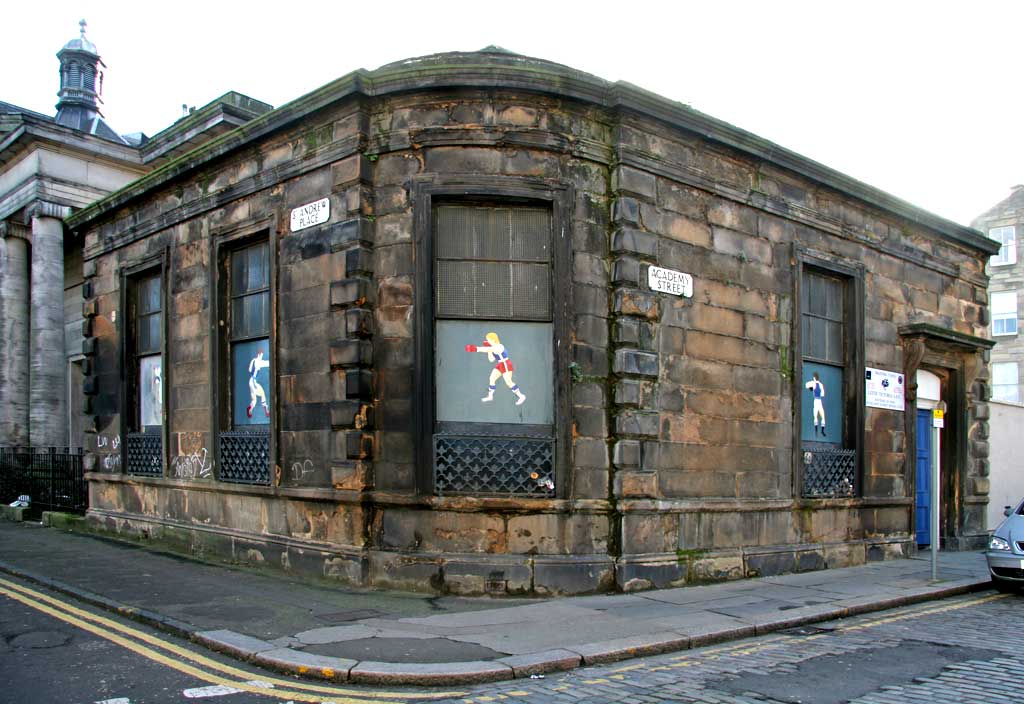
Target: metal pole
[(938, 422), (935, 504)]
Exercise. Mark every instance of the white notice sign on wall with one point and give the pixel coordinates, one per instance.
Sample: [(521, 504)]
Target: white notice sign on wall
[(311, 214), (884, 389), (670, 281)]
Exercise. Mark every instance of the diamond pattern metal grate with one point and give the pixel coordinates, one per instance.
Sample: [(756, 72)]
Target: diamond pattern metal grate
[(245, 457), (476, 465), (828, 472), (144, 454)]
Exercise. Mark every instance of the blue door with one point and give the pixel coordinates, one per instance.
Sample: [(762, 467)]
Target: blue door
[(922, 503)]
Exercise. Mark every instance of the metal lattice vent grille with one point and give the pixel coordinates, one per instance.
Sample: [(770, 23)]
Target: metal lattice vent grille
[(468, 465), (829, 472), (493, 263), (144, 454), (245, 457)]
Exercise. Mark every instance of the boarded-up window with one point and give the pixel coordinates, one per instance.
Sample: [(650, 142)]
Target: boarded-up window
[(493, 349)]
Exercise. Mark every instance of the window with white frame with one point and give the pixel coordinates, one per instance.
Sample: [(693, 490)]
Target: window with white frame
[(1005, 384), (1006, 236), (1004, 313)]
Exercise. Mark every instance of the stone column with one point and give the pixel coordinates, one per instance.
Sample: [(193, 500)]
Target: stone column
[(48, 417), (14, 327)]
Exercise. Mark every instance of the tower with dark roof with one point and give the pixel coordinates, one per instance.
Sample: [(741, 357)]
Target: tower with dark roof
[(81, 85)]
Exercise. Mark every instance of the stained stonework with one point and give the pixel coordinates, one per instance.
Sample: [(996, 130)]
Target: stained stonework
[(678, 458)]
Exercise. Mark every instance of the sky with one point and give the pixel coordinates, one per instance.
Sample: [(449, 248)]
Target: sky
[(920, 99)]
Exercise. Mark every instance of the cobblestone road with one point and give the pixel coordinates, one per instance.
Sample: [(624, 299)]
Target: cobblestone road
[(966, 650)]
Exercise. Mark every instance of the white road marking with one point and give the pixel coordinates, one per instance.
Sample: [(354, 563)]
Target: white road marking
[(217, 690), (119, 700)]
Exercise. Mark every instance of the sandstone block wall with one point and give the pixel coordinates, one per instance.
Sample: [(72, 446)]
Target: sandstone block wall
[(682, 465)]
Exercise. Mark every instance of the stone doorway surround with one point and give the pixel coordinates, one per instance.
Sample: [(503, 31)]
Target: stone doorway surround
[(960, 358)]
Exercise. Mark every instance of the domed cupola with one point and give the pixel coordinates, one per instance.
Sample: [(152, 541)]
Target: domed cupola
[(81, 84)]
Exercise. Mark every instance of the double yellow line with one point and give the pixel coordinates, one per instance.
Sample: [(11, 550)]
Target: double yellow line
[(199, 666)]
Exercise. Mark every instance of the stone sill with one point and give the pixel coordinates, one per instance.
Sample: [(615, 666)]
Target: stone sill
[(459, 504)]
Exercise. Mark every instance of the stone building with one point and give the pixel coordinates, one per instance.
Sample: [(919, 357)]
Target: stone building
[(49, 168), (482, 323), (1002, 222)]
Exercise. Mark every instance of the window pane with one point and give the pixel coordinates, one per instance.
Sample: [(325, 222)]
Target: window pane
[(476, 232), (1004, 302), (493, 290), (834, 299), (1006, 236), (250, 315), (239, 271), (531, 234), (1004, 373), (149, 295), (149, 337), (1006, 325), (816, 295), (259, 269), (834, 342), (256, 314), (472, 233), (238, 317), (818, 347), (151, 403), (531, 286)]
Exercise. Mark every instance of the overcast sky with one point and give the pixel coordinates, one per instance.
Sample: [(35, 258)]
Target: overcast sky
[(920, 99)]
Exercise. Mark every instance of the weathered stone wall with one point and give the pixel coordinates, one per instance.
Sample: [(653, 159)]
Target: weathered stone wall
[(682, 466)]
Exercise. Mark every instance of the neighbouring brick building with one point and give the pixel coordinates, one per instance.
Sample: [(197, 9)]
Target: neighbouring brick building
[(431, 326)]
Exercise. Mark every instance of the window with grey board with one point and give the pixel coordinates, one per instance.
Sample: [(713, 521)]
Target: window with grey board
[(247, 403), (250, 336), (143, 440), (493, 347), (825, 433)]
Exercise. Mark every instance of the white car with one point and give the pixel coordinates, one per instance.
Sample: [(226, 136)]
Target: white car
[(1005, 552)]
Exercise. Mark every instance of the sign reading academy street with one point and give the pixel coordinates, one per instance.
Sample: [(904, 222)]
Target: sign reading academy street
[(670, 281), (883, 389), (311, 214)]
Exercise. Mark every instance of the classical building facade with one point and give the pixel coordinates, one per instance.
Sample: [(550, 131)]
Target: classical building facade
[(483, 323), (49, 168), (1004, 222)]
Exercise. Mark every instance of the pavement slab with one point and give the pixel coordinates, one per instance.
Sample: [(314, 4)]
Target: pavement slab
[(324, 630)]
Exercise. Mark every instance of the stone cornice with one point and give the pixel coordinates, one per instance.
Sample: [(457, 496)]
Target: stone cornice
[(500, 71), (947, 336), (34, 131)]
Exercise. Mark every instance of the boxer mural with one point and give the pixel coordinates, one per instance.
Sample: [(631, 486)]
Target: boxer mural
[(817, 389), (498, 355), (256, 391)]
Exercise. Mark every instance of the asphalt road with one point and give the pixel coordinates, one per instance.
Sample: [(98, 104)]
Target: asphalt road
[(961, 650)]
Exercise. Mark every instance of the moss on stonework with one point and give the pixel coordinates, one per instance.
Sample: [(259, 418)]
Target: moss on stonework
[(784, 368), (686, 556)]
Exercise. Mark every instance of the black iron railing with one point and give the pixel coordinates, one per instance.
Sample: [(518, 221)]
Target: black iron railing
[(51, 477), (829, 471)]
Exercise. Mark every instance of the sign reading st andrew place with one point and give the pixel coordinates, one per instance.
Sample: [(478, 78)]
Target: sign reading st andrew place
[(311, 214), (670, 281)]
